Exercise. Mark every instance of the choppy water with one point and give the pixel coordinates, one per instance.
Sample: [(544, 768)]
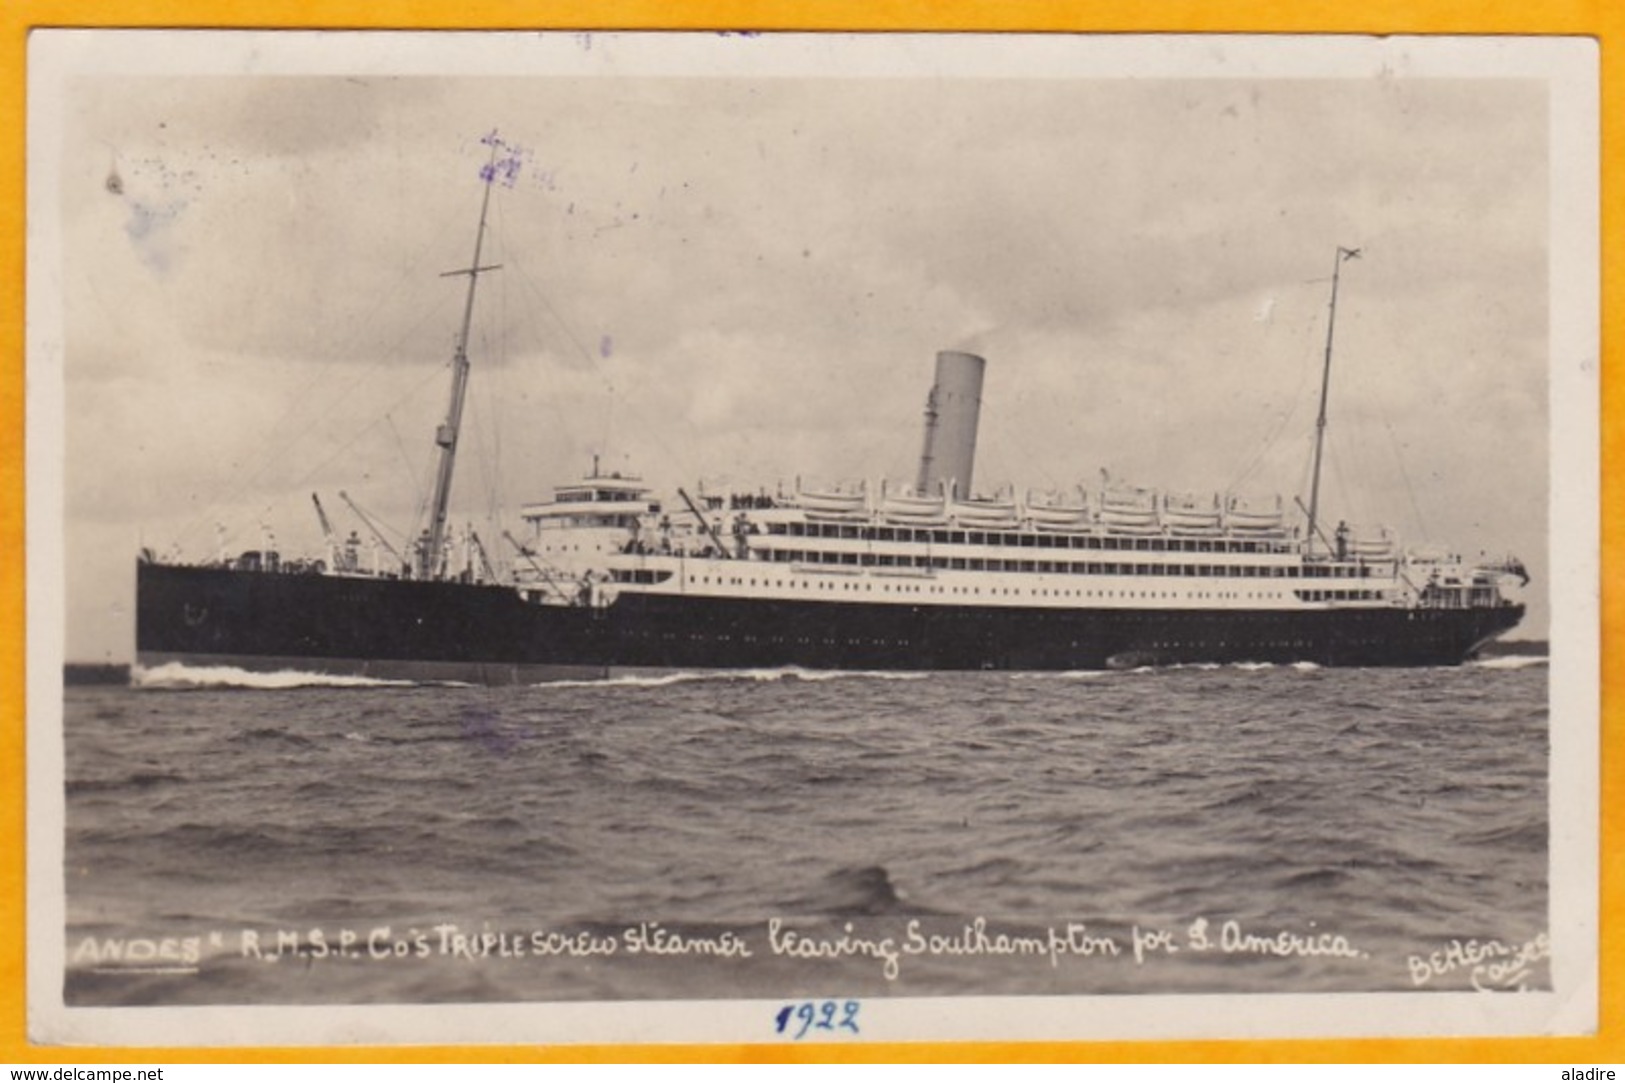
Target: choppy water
[(207, 813)]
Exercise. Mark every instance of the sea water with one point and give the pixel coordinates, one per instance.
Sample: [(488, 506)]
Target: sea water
[(233, 838)]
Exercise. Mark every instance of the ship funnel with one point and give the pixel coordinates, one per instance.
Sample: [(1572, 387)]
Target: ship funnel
[(951, 413)]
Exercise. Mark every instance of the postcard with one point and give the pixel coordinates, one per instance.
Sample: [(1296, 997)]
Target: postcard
[(808, 538)]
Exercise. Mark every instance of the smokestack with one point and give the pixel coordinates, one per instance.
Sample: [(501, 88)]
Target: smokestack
[(951, 413)]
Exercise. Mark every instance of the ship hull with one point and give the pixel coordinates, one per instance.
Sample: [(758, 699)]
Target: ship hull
[(401, 629)]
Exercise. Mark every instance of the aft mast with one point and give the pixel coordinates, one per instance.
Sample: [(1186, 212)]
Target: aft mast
[(1325, 385), (429, 555)]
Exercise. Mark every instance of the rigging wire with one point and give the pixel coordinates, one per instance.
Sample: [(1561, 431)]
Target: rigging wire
[(875, 449), (1378, 478), (483, 427), (1046, 475), (277, 444), (1353, 500), (652, 432), (492, 460), (485, 417), (496, 499), (1405, 476), (366, 430), (1306, 471), (231, 489), (406, 458), (371, 520), (276, 456), (1309, 326)]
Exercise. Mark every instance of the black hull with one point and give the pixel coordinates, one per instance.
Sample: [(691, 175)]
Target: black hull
[(386, 628)]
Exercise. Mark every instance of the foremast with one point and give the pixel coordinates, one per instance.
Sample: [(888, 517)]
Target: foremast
[(430, 555)]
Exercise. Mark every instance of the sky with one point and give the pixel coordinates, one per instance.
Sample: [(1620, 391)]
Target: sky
[(739, 279)]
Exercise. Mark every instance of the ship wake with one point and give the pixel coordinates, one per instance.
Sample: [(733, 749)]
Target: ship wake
[(1510, 661), (179, 676), (687, 676)]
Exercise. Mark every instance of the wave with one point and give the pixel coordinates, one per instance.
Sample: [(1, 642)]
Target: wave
[(1304, 879), (177, 675), (1511, 661), (273, 735), (140, 780), (1198, 667), (855, 891), (1062, 675), (1528, 836), (786, 673)]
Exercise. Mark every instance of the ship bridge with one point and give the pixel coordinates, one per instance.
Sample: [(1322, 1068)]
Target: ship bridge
[(598, 500)]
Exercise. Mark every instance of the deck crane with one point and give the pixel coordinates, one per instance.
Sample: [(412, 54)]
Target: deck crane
[(328, 536), (372, 526), (479, 551), (545, 577)]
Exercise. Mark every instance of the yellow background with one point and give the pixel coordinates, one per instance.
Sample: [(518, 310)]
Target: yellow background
[(1595, 18)]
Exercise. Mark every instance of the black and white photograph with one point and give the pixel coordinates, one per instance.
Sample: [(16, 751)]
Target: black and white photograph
[(810, 538)]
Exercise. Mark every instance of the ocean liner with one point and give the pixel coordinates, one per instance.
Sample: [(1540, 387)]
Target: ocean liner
[(610, 577)]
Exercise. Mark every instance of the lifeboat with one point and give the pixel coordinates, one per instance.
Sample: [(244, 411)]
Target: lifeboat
[(835, 500), (1372, 549), (1189, 513), (971, 513), (1371, 543), (1057, 511), (1256, 514), (985, 511), (909, 507), (1113, 517), (1130, 508)]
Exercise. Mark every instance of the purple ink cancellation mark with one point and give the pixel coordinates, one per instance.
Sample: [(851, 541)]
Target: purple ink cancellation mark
[(483, 728), (508, 159)]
